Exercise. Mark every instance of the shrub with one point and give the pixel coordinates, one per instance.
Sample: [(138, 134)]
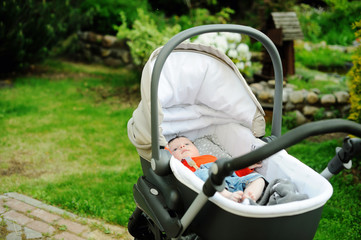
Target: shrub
[(202, 16), (289, 120), (355, 82), (321, 56), (145, 36), (332, 25), (106, 13), (28, 29), (150, 31)]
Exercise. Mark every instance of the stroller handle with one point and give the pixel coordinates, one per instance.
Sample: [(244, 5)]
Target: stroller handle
[(287, 140), (186, 34)]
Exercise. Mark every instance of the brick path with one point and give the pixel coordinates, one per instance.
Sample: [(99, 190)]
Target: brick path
[(22, 217)]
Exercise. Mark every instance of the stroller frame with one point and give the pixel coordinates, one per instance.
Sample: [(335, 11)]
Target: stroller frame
[(163, 214)]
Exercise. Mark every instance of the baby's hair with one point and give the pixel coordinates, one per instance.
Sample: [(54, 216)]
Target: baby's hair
[(177, 136)]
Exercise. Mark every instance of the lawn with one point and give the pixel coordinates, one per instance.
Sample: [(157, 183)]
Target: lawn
[(63, 140)]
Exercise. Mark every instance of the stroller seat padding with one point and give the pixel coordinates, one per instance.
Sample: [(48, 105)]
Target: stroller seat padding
[(280, 165)]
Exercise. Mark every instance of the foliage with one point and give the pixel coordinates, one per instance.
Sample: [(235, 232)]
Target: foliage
[(105, 13), (317, 56), (289, 120), (320, 114), (29, 28), (355, 82), (307, 79), (145, 36), (202, 16), (332, 25)]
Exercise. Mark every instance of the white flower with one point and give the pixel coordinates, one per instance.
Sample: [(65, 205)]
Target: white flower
[(243, 48), (221, 43), (240, 65), (230, 44), (232, 53), (232, 37)]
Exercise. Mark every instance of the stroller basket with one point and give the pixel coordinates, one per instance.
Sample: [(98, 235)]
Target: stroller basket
[(196, 91)]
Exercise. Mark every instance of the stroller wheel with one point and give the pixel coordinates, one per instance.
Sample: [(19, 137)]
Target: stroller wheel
[(138, 225), (141, 227)]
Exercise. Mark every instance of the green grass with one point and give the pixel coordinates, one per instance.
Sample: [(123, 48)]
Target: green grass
[(322, 58), (341, 216), (306, 78), (63, 140)]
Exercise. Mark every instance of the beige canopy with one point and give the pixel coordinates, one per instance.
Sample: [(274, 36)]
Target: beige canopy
[(199, 87)]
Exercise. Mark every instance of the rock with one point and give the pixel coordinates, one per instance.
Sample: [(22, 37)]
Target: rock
[(289, 106), (112, 62), (297, 97), (328, 99), (264, 96), (312, 98), (83, 35), (342, 96), (94, 38), (286, 94), (256, 87), (329, 114), (309, 110), (316, 90), (300, 119), (122, 54), (108, 41), (345, 110), (104, 52), (31, 234)]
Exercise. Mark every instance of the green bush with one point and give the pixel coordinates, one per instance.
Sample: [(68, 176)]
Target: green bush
[(202, 16), (333, 24), (289, 120), (29, 28), (145, 36), (321, 57), (355, 81), (106, 13)]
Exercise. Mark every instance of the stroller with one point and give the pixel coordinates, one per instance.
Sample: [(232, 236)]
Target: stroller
[(197, 91)]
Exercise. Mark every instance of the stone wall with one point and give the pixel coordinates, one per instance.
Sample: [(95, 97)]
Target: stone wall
[(107, 49), (307, 105)]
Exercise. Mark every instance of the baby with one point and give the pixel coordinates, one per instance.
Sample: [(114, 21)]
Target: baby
[(237, 188)]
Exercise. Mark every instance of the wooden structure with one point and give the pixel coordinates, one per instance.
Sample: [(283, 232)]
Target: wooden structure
[(282, 28)]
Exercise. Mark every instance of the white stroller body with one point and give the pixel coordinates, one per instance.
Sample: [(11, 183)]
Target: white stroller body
[(201, 93)]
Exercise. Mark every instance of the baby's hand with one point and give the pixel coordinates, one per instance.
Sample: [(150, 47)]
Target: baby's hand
[(256, 165)]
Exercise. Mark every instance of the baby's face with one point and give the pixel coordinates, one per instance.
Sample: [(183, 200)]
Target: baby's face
[(182, 147)]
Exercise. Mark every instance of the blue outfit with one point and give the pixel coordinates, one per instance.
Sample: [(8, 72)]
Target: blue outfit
[(233, 183)]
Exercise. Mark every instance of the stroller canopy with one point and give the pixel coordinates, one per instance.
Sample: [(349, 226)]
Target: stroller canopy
[(199, 87)]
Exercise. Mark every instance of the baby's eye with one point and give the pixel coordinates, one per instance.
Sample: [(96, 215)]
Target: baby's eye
[(175, 149)]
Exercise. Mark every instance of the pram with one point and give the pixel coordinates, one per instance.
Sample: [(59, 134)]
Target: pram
[(197, 91)]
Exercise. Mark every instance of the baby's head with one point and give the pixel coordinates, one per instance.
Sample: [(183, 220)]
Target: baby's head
[(181, 147)]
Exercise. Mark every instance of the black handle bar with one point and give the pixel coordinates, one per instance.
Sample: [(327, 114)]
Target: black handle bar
[(224, 168)]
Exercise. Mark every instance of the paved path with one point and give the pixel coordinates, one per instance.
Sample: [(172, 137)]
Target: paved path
[(22, 217)]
